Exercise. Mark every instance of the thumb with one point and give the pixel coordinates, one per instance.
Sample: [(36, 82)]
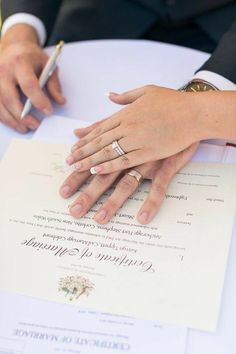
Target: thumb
[(126, 97)]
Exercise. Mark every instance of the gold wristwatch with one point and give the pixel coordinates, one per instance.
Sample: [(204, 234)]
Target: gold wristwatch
[(198, 85)]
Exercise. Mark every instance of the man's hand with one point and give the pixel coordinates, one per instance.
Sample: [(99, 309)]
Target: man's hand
[(21, 62), (159, 172)]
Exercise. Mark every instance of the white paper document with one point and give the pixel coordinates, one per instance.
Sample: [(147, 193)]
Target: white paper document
[(158, 272), (35, 327), (58, 129)]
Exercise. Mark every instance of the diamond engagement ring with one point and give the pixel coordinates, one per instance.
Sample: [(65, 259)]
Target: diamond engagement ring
[(139, 178), (116, 147)]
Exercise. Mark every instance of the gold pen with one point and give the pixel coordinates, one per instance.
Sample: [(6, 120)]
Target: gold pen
[(45, 75)]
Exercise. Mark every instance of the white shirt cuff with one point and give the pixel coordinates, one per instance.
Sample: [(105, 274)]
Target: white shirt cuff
[(215, 79), (28, 19)]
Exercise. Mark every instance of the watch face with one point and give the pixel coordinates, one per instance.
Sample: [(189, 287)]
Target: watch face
[(198, 87)]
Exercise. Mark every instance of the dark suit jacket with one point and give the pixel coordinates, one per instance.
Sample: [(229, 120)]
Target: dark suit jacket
[(92, 19)]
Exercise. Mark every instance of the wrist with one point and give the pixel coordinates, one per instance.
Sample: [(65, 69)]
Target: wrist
[(19, 33), (202, 123), (194, 117), (216, 115)]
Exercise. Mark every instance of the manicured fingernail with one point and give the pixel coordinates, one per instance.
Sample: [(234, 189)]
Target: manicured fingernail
[(143, 217), (101, 215), (70, 159), (111, 94), (95, 170), (76, 210), (78, 166), (65, 191)]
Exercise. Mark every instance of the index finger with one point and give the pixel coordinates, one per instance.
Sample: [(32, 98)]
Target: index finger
[(99, 129), (29, 83), (81, 132)]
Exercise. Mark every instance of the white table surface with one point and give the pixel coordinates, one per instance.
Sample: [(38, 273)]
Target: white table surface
[(88, 70)]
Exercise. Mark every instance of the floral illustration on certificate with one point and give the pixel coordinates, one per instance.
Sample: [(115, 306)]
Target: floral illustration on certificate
[(75, 286)]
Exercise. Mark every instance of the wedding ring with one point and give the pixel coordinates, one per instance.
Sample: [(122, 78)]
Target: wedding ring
[(139, 178), (116, 147)]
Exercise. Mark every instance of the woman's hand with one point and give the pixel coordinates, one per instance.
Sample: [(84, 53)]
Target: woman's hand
[(156, 124), (159, 172)]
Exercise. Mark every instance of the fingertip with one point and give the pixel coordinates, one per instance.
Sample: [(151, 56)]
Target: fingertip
[(59, 99), (22, 129), (63, 100), (101, 217), (48, 111), (143, 217), (76, 210), (78, 130), (65, 191), (80, 133), (31, 122), (32, 128), (77, 134), (113, 96)]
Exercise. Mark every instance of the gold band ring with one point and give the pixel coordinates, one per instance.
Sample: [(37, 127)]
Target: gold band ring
[(137, 175)]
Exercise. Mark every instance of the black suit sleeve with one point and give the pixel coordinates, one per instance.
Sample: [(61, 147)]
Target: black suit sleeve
[(46, 10), (223, 59)]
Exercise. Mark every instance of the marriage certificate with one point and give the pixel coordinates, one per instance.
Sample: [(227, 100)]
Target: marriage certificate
[(171, 270)]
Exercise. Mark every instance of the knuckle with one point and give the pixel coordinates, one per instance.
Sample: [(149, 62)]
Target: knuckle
[(109, 166), (107, 153), (39, 103), (165, 175), (150, 87), (97, 131), (127, 184), (30, 85), (159, 189), (112, 204), (153, 203), (98, 143), (79, 154), (88, 162), (86, 198), (103, 180), (73, 180), (171, 165), (125, 162), (82, 142), (19, 58)]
